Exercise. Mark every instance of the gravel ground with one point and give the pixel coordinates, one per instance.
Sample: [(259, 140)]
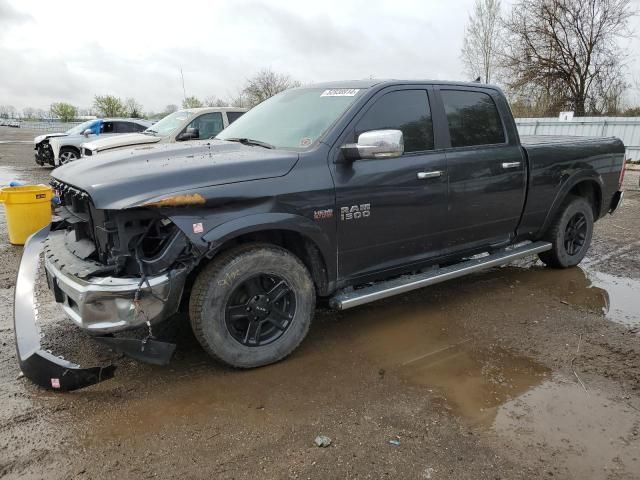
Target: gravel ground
[(520, 372)]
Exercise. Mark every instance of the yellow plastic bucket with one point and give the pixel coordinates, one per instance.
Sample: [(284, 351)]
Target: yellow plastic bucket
[(28, 209)]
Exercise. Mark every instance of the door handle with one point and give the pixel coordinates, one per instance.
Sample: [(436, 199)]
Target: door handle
[(426, 175), (511, 164)]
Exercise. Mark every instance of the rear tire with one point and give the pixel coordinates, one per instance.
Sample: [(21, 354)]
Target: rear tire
[(252, 306), (569, 234)]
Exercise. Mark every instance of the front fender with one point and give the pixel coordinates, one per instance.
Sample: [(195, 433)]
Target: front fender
[(273, 221)]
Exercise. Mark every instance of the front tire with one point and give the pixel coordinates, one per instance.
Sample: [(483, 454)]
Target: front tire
[(570, 234), (252, 306), (68, 155)]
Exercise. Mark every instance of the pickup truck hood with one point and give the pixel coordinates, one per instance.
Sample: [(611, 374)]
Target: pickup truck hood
[(129, 178), (40, 138), (119, 141)]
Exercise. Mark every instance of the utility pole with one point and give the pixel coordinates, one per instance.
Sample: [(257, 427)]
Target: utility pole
[(184, 92)]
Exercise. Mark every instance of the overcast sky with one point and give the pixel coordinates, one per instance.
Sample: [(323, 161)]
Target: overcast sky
[(71, 50)]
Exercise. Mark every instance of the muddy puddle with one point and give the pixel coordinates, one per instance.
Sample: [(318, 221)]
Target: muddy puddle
[(428, 347), (596, 435), (622, 297), (423, 340), (617, 298)]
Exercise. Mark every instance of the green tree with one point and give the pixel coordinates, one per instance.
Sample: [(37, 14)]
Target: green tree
[(64, 111), (192, 102), (109, 106)]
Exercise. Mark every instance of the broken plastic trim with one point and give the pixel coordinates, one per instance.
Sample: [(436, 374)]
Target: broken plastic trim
[(40, 366)]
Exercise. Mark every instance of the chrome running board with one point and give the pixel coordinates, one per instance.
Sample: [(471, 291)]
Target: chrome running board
[(406, 283)]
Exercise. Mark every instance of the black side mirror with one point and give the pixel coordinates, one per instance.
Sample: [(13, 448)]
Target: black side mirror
[(188, 134)]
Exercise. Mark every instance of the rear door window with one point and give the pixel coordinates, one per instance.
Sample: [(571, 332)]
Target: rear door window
[(404, 110), (233, 116), (473, 118), (107, 127), (124, 127)]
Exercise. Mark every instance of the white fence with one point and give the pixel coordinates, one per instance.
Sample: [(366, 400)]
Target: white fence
[(48, 126), (625, 128)]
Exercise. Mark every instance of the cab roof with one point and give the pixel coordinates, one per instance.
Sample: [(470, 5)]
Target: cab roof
[(389, 82)]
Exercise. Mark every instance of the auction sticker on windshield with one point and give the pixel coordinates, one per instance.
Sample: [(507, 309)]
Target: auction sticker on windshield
[(340, 92)]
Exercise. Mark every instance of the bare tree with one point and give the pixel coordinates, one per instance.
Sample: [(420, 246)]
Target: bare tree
[(29, 113), (134, 109), (483, 40), (7, 111), (567, 49), (214, 101), (170, 109), (266, 84)]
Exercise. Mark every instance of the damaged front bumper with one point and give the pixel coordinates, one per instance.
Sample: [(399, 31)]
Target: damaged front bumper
[(98, 305), (38, 365), (102, 305)]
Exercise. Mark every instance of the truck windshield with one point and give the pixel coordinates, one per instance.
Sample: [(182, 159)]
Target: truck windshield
[(168, 124), (294, 118)]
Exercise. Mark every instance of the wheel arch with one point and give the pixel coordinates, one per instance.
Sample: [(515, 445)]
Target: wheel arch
[(297, 234), (582, 185)]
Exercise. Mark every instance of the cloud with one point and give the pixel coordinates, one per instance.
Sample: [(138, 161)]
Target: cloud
[(10, 17), (136, 49)]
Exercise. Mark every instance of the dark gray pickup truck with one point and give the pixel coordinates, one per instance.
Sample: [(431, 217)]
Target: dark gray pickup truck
[(348, 191)]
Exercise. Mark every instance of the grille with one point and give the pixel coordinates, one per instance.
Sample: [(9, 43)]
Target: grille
[(75, 210)]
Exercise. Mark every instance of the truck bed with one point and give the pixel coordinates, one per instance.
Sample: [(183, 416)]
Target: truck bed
[(554, 160)]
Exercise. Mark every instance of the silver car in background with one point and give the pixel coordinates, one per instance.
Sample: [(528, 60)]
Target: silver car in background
[(180, 126), (59, 148)]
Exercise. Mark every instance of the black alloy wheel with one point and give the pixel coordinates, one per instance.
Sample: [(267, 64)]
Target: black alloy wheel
[(260, 310), (575, 234)]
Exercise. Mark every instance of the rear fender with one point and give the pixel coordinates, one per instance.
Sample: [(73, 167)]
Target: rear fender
[(567, 186)]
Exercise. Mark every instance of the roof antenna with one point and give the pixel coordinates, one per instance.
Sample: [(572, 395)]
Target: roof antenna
[(477, 80)]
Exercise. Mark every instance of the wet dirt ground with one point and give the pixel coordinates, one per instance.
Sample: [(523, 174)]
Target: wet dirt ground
[(520, 372)]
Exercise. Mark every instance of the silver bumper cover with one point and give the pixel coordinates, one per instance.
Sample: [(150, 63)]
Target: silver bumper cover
[(38, 365), (102, 304), (108, 305)]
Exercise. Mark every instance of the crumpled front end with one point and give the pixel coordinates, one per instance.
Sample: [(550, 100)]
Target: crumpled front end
[(110, 271), (43, 153), (108, 304), (115, 270)]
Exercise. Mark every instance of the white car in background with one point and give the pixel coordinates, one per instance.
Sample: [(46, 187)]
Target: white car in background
[(60, 148), (180, 126)]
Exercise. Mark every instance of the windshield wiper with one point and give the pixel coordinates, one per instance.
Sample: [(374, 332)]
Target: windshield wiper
[(250, 141)]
